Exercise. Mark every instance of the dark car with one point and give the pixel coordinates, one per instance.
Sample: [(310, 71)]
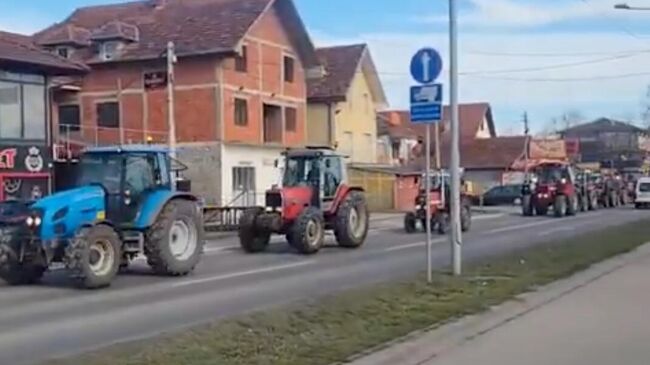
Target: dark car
[(503, 195)]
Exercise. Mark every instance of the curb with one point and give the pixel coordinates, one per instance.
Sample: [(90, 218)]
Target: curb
[(422, 346)]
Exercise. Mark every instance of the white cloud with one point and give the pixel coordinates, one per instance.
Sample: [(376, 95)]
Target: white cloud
[(612, 97), (522, 14)]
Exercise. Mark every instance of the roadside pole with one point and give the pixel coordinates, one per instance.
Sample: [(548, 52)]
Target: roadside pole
[(456, 233), (171, 121), (426, 107)]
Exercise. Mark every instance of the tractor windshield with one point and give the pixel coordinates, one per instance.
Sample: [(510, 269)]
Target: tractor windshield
[(301, 171), (103, 169), (551, 174)]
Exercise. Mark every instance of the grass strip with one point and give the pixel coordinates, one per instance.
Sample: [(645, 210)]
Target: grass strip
[(337, 327)]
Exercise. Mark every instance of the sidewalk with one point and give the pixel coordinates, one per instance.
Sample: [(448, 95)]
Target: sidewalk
[(597, 317)]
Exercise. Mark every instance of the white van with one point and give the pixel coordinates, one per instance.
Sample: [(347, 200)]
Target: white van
[(642, 199)]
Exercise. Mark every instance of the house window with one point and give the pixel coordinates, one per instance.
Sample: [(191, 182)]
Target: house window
[(108, 115), (241, 61), (272, 124), (290, 116), (69, 118), (241, 112), (63, 52), (22, 107), (289, 64), (243, 186), (109, 50)]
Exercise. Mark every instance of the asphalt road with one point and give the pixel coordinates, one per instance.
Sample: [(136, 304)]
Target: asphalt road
[(53, 319)]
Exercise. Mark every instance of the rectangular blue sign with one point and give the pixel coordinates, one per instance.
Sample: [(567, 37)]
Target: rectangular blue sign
[(426, 103)]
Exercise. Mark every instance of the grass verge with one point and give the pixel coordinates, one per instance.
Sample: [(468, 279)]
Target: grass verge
[(342, 325)]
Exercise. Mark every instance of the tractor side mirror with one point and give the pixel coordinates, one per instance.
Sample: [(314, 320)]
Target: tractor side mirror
[(276, 163), (328, 163)]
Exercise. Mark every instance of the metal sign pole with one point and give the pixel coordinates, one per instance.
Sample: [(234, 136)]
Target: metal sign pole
[(427, 186), (456, 234)]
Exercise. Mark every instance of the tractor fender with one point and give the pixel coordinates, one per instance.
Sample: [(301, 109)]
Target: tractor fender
[(341, 193), (154, 204)]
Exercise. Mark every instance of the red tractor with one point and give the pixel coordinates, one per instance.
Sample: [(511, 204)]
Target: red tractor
[(553, 186), (314, 197), (440, 209)]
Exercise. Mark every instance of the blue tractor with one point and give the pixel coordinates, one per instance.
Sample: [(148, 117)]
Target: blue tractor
[(125, 203)]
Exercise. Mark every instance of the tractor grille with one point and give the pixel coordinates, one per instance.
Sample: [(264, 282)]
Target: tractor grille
[(273, 199)]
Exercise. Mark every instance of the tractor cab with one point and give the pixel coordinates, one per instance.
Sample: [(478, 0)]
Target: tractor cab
[(128, 176), (311, 175)]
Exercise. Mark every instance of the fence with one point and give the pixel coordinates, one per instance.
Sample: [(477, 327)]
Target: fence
[(379, 187)]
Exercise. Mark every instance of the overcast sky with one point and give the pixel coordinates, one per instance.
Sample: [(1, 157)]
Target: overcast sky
[(545, 57)]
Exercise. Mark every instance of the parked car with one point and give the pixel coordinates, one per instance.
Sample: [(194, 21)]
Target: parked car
[(642, 195), (503, 195)]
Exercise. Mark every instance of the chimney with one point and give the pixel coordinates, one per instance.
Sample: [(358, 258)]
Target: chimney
[(394, 118)]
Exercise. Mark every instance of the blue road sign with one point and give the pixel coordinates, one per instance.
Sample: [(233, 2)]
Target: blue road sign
[(426, 65), (426, 103)]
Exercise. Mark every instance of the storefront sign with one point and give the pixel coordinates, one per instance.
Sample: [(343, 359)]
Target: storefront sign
[(30, 159)]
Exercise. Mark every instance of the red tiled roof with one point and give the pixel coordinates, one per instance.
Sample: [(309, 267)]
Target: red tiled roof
[(66, 35), (195, 26), (17, 51), (116, 30), (341, 64), (470, 115)]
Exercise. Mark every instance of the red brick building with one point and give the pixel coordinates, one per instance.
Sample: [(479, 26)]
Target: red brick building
[(239, 85)]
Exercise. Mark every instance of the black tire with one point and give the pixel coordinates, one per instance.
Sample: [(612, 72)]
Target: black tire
[(166, 253), (443, 222), (560, 206), (251, 239), (14, 272), (307, 233), (527, 206), (83, 251), (572, 205), (613, 200), (541, 210), (351, 232), (466, 218), (410, 223), (637, 206), (583, 203)]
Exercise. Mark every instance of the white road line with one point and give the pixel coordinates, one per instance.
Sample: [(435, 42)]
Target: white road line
[(411, 245), (540, 223), (243, 273), (556, 230), (209, 251), (487, 216)]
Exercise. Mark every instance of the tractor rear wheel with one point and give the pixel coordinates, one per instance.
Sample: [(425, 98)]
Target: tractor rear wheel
[(560, 206), (573, 205), (443, 222), (14, 272), (251, 239), (593, 201), (308, 231), (174, 243), (410, 222), (94, 256), (351, 221), (466, 217), (613, 200), (527, 205)]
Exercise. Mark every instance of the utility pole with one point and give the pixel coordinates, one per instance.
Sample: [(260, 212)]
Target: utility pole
[(456, 233), (526, 142), (171, 120)]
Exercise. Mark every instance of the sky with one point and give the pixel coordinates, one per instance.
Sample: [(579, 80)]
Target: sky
[(543, 57)]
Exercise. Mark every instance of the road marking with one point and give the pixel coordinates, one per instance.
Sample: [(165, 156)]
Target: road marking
[(411, 245), (541, 223), (209, 251), (555, 230), (243, 273), (487, 216)]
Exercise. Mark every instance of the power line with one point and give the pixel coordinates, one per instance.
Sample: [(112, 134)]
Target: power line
[(572, 79), (621, 27), (554, 54), (553, 67)]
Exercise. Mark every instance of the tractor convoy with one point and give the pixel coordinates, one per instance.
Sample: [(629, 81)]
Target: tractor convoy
[(565, 190)]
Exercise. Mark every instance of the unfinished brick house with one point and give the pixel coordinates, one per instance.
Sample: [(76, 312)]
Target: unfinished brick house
[(239, 85)]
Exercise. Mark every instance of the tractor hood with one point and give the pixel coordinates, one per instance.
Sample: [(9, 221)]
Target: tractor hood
[(77, 196)]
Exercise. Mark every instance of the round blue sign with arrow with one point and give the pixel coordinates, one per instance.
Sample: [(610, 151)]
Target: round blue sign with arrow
[(426, 65)]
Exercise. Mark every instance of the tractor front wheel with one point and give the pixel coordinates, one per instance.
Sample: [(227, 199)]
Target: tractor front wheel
[(14, 272), (410, 223), (465, 218), (443, 222), (251, 239), (174, 243), (560, 206), (527, 205), (593, 201), (94, 256), (572, 206), (351, 221), (308, 231)]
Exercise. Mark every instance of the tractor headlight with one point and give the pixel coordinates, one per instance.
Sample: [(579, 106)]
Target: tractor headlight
[(30, 221), (35, 219), (418, 207)]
